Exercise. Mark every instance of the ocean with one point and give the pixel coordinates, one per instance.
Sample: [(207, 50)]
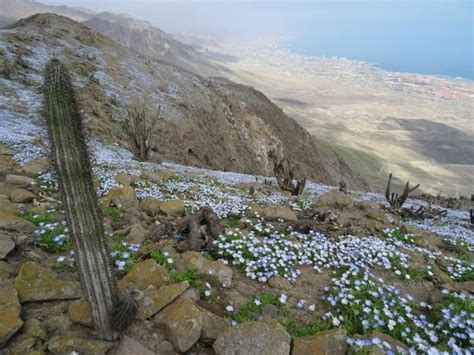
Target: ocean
[(420, 36)]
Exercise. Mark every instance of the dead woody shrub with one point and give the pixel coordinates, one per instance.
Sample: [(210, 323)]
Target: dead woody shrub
[(139, 127)]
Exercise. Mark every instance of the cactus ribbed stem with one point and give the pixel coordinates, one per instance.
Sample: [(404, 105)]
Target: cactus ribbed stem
[(84, 216)]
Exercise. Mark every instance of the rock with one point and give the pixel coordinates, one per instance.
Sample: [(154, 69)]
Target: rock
[(8, 165), (33, 328), (173, 208), (150, 206), (274, 213), (328, 342), (126, 179), (165, 348), (181, 322), (253, 338), (334, 199), (36, 166), (19, 181), (129, 346), (157, 176), (24, 345), (465, 286), (80, 313), (212, 326), (7, 206), (144, 274), (195, 260), (6, 271), (121, 197), (10, 309), (10, 222), (66, 344), (379, 216), (155, 300), (441, 275), (192, 294), (137, 234), (269, 312), (36, 283), (22, 196), (280, 283), (6, 244)]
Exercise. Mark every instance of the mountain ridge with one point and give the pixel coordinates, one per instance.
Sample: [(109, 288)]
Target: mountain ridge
[(211, 123)]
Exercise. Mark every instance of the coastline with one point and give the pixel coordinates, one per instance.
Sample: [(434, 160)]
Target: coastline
[(417, 126)]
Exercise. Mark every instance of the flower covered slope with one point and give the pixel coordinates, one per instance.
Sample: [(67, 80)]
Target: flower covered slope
[(356, 267)]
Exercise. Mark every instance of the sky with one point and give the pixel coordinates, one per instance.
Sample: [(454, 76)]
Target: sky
[(425, 36)]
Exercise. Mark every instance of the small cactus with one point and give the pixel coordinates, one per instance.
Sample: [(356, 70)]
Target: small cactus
[(84, 217)]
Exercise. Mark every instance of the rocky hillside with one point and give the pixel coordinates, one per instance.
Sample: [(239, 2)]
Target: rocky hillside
[(126, 30), (17, 9), (204, 122), (149, 40), (330, 272)]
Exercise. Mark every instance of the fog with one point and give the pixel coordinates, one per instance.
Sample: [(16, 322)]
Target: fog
[(418, 36)]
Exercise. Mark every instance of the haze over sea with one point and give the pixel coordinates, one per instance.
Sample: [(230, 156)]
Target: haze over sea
[(421, 36)]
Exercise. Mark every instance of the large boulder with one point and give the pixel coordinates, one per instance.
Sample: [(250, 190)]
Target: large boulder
[(194, 260), (330, 342), (22, 196), (334, 199), (19, 181), (67, 344), (144, 274), (181, 322), (154, 300), (10, 222), (253, 338), (10, 308), (36, 283)]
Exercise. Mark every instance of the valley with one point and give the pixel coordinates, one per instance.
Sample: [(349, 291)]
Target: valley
[(416, 126)]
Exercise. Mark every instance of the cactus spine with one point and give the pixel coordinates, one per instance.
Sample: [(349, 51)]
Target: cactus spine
[(84, 217)]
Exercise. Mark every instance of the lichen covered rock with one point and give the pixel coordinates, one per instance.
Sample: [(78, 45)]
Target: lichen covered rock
[(181, 322), (10, 321), (253, 338), (36, 283), (144, 274)]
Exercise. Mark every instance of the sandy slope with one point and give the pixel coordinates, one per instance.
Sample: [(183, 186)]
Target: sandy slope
[(419, 127)]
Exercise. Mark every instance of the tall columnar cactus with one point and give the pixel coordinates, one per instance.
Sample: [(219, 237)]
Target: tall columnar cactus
[(84, 217)]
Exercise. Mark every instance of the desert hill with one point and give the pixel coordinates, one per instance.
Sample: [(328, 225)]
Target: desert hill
[(22, 8), (204, 122), (149, 40)]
